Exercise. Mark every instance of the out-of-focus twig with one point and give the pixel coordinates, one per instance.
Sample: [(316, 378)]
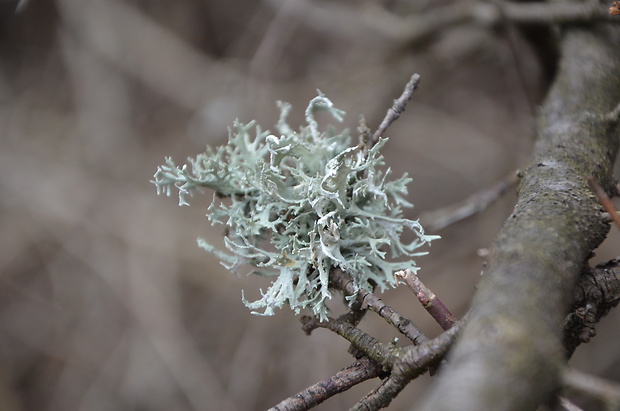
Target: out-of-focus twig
[(441, 218), (568, 405), (153, 55), (603, 390)]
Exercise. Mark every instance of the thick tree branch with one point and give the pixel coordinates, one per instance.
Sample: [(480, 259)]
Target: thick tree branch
[(511, 352)]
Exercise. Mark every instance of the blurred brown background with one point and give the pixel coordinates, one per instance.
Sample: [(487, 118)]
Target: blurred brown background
[(106, 302)]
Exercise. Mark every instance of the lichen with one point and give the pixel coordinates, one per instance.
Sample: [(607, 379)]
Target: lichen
[(297, 204)]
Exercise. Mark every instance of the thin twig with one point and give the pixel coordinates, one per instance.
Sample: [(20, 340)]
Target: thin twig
[(343, 282), (374, 349), (358, 372), (435, 307), (401, 363), (397, 108), (410, 362)]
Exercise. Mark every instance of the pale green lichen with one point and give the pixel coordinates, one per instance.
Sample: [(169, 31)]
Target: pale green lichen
[(298, 204)]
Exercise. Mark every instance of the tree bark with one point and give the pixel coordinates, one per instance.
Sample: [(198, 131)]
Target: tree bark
[(510, 353)]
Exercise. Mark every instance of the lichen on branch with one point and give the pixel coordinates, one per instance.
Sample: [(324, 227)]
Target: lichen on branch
[(297, 204)]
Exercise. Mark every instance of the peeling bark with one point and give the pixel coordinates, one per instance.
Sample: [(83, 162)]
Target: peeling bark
[(510, 353)]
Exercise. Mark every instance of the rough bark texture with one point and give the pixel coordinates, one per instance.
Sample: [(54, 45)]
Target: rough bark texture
[(510, 353)]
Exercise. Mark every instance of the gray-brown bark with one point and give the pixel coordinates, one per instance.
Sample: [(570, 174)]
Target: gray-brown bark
[(511, 351)]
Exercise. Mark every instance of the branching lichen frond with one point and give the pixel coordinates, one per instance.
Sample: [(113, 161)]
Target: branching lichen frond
[(298, 204)]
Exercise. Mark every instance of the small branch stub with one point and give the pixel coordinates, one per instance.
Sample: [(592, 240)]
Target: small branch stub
[(435, 307)]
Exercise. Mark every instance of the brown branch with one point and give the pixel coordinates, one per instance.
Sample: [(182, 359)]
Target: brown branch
[(358, 372), (374, 349), (428, 299), (401, 364), (407, 364), (343, 282)]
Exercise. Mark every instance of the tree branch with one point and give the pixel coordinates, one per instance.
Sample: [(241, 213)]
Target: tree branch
[(360, 371), (342, 281), (513, 335), (406, 364)]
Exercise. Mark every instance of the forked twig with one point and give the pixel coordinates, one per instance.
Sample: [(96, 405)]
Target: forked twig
[(343, 282), (606, 391)]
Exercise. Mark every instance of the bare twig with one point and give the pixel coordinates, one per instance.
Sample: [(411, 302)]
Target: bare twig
[(342, 281), (437, 219), (603, 390), (359, 371), (428, 299), (397, 108), (401, 363), (374, 349)]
